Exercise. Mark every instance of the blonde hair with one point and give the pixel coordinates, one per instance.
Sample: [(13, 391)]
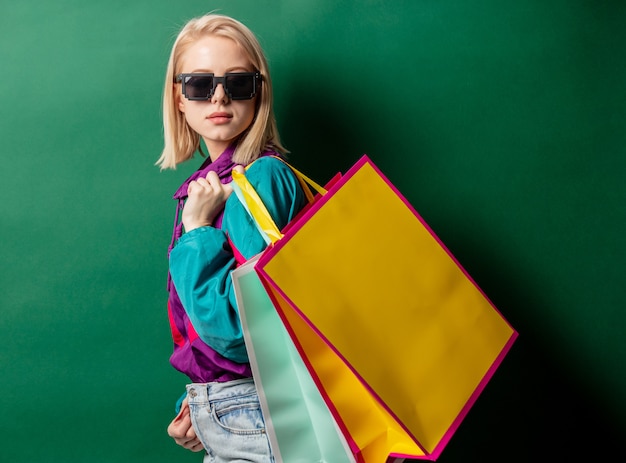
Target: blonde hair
[(180, 141)]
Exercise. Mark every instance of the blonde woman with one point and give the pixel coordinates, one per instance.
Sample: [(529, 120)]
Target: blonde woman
[(218, 93)]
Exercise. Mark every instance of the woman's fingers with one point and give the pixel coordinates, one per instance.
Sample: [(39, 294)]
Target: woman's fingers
[(206, 197)]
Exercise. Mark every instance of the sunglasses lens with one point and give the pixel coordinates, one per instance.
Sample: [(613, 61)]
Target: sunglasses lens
[(198, 87), (240, 87)]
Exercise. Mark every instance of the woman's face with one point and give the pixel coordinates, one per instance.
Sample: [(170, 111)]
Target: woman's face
[(218, 120)]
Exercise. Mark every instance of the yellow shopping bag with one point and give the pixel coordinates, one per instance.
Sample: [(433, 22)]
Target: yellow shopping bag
[(398, 337)]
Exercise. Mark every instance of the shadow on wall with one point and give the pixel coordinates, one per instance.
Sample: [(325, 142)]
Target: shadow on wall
[(534, 408), (323, 126)]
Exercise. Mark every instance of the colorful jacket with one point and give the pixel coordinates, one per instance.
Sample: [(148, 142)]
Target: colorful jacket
[(208, 340)]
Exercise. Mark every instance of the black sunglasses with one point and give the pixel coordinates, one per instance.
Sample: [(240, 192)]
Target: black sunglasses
[(237, 85)]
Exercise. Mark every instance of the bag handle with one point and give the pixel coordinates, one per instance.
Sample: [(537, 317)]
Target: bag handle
[(253, 203)]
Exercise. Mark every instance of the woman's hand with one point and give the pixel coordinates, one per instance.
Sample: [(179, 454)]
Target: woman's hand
[(206, 198), (181, 430)]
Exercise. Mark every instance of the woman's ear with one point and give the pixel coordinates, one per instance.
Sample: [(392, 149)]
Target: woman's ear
[(178, 98)]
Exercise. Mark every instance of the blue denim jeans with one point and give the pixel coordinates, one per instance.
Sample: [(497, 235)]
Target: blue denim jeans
[(228, 421)]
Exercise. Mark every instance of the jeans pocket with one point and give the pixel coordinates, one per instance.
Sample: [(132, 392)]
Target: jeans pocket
[(239, 416)]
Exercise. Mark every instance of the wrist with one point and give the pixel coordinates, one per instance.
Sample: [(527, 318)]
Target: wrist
[(193, 225)]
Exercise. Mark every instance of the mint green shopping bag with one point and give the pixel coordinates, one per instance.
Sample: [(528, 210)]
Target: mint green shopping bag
[(300, 427)]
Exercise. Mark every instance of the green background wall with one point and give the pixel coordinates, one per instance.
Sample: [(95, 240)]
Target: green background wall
[(501, 121)]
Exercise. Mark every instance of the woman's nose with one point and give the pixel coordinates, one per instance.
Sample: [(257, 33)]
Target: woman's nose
[(219, 94)]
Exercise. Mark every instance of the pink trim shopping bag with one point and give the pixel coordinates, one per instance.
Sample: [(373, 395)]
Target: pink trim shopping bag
[(398, 337)]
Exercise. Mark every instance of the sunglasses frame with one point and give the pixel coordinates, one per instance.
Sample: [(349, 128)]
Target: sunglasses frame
[(256, 84)]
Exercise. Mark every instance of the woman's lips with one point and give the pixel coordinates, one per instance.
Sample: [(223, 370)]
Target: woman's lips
[(219, 117)]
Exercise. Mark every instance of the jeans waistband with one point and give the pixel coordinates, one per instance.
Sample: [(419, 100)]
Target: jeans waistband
[(205, 392)]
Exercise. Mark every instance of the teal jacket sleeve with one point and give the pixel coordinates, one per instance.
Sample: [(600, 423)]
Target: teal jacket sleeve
[(201, 261)]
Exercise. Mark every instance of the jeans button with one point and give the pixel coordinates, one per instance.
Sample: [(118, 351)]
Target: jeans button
[(192, 393)]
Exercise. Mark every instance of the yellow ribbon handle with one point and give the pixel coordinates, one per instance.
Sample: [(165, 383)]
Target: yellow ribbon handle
[(258, 210)]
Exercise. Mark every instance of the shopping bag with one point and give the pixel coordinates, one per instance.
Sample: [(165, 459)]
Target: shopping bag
[(300, 426), (397, 336)]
